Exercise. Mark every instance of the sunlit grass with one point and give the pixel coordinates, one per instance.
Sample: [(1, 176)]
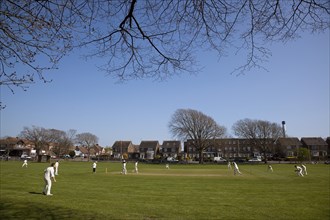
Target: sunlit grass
[(181, 192)]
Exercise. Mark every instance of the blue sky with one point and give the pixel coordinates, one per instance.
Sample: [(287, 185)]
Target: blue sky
[(295, 89)]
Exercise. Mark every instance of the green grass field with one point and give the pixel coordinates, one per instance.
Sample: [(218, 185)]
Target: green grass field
[(182, 192)]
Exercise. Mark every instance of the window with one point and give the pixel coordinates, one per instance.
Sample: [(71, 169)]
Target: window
[(315, 153), (314, 147), (290, 154)]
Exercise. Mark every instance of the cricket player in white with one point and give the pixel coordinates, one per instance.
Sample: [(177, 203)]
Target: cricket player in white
[(299, 170), (24, 163), (48, 174), (124, 167), (270, 168), (229, 165), (136, 167), (304, 169), (56, 167), (236, 170), (94, 166)]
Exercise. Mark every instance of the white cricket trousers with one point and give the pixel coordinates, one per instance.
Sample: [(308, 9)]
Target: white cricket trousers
[(48, 186)]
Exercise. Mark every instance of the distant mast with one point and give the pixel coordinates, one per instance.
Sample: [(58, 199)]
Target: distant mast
[(283, 128)]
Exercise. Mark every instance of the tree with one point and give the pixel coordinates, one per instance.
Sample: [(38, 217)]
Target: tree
[(31, 33), (303, 154), (188, 124), (39, 136), (87, 140), (149, 38), (62, 141), (261, 134)]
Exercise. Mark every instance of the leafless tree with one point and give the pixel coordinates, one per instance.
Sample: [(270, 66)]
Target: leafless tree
[(34, 36), (146, 38), (260, 133), (87, 140), (39, 136), (62, 141), (202, 130)]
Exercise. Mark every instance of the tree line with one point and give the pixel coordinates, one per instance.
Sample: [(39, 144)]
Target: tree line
[(202, 130), (185, 124), (61, 141)]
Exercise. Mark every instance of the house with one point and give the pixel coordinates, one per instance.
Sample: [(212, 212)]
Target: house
[(170, 149), (225, 147), (96, 150), (81, 151), (234, 148), (237, 148), (16, 147), (328, 142), (317, 147), (120, 149), (287, 147), (190, 151), (149, 149), (133, 151)]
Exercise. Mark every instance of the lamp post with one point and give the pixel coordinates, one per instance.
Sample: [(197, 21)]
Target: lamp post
[(199, 143), (283, 128), (121, 149)]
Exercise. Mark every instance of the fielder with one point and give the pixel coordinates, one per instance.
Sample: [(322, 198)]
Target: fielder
[(229, 165), (299, 170), (167, 166), (48, 174), (124, 171), (94, 166), (236, 170), (270, 168), (304, 169), (25, 164), (136, 167), (56, 167)]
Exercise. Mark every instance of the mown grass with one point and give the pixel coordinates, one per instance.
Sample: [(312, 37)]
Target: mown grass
[(182, 192)]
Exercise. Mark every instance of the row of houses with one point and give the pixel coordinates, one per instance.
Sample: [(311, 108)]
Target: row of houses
[(147, 150), (230, 148), (16, 147), (281, 148)]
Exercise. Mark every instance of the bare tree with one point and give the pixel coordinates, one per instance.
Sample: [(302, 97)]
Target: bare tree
[(62, 141), (34, 36), (39, 136), (202, 130), (148, 38), (261, 134), (87, 140)]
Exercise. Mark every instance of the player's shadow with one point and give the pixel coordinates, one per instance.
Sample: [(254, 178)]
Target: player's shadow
[(36, 193)]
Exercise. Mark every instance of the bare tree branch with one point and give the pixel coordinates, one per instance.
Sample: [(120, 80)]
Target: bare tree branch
[(87, 140), (149, 38), (261, 134)]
